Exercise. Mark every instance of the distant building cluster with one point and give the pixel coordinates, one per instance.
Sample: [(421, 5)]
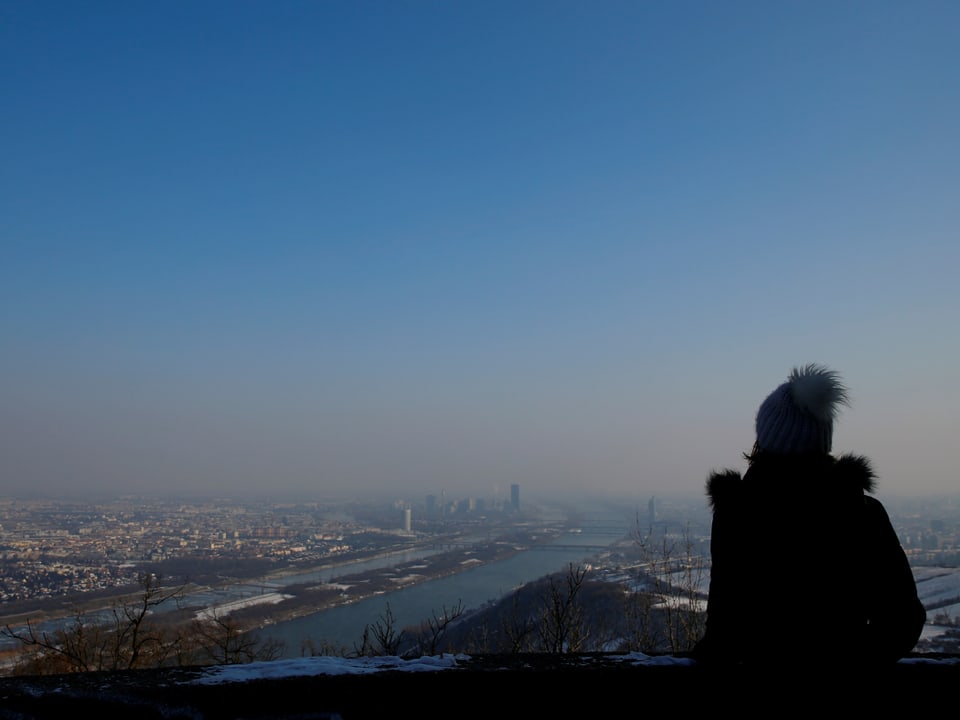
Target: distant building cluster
[(50, 548), (54, 548), (439, 506)]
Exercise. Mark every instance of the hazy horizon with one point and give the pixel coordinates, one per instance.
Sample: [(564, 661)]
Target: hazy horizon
[(638, 498), (339, 247)]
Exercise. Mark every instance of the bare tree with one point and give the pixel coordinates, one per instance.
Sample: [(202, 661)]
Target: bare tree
[(126, 638), (642, 631), (433, 629), (561, 627), (135, 636), (67, 649), (383, 637), (480, 638), (518, 626), (225, 642), (665, 612)]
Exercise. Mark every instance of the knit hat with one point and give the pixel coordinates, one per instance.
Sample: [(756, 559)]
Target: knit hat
[(798, 416)]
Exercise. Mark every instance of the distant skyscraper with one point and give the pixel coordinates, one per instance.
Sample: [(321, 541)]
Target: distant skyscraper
[(515, 496), (407, 513), (652, 511)]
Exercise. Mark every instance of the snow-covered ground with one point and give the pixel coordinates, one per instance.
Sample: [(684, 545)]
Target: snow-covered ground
[(328, 665), (939, 590), (938, 587), (228, 607)]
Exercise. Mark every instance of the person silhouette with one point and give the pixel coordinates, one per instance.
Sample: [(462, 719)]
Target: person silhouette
[(805, 562)]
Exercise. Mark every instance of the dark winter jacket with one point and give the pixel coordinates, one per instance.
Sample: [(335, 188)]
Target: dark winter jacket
[(806, 566)]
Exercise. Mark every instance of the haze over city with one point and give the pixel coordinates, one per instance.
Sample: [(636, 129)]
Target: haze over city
[(322, 248)]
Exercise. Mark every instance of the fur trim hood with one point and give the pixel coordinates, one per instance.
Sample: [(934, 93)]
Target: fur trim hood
[(775, 475)]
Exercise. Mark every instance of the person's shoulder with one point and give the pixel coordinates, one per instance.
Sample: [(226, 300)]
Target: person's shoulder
[(875, 510)]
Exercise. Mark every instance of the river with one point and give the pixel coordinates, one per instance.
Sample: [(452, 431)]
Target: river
[(343, 626)]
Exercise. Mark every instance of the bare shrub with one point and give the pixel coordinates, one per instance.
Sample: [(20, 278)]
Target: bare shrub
[(382, 637), (433, 630), (223, 641), (125, 638), (560, 624), (665, 613)]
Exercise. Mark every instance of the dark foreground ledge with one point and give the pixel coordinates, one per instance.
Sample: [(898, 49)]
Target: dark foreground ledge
[(493, 686)]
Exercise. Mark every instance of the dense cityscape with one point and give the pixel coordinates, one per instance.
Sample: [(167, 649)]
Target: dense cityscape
[(52, 548), (55, 553)]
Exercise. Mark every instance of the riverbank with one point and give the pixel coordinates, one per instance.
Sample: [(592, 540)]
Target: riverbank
[(329, 587), (299, 599), (313, 597), (413, 601)]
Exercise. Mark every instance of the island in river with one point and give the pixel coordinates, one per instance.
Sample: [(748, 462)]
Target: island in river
[(294, 600)]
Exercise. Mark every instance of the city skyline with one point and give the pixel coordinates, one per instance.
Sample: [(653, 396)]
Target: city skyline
[(325, 248)]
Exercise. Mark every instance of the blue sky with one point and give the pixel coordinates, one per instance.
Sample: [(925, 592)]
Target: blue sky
[(325, 247)]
